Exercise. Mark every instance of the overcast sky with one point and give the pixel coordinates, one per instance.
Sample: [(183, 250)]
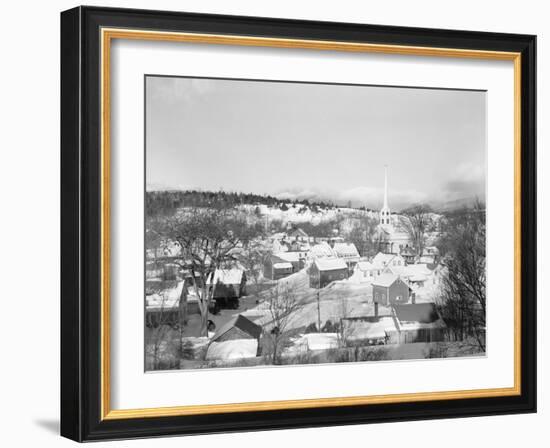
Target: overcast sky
[(315, 140)]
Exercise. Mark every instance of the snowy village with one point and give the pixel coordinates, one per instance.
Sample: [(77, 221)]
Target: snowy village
[(261, 281)]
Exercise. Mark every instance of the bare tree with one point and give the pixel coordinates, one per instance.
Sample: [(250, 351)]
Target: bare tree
[(282, 306), (344, 329), (365, 236), (464, 284), (207, 237), (416, 221), (253, 259), (159, 322)]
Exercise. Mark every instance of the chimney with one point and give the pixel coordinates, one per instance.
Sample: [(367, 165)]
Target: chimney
[(375, 309)]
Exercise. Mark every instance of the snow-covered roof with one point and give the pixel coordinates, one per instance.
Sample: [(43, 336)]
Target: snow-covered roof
[(167, 298), (364, 265), (234, 349), (418, 278), (317, 341), (375, 329), (420, 269), (288, 256), (385, 280), (398, 270), (330, 264), (427, 259), (241, 322), (227, 276), (283, 265), (297, 232), (382, 259), (346, 250), (321, 250)]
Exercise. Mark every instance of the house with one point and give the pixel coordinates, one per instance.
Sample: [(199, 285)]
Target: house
[(229, 286), (364, 272), (389, 289), (163, 307), (417, 274), (239, 327), (297, 234), (274, 269), (296, 259), (283, 264), (326, 270), (418, 322), (383, 260), (320, 250), (348, 252), (371, 330), (311, 342), (408, 253), (298, 246), (430, 255), (392, 241)]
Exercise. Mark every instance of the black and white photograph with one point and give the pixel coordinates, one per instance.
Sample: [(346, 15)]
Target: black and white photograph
[(291, 223)]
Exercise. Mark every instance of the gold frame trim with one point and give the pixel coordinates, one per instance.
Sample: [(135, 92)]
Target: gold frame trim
[(107, 35)]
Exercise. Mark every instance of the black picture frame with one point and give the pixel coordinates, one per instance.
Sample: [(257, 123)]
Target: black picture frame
[(81, 224)]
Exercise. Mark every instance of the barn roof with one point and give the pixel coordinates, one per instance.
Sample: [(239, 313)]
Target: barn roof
[(330, 264), (416, 312), (417, 272), (371, 328), (382, 259), (227, 276), (282, 265), (385, 280), (346, 250), (287, 256), (364, 265), (321, 250), (297, 232), (241, 322)]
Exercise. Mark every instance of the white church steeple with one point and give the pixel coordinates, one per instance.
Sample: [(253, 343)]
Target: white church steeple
[(385, 215)]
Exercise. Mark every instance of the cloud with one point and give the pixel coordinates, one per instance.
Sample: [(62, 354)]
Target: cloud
[(468, 180), (358, 196)]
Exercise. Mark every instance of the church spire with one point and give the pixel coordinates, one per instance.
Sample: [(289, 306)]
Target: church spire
[(385, 212)]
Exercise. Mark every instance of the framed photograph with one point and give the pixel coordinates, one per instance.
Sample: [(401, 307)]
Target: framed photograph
[(273, 223)]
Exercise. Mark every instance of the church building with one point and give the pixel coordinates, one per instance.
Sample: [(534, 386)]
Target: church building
[(392, 240)]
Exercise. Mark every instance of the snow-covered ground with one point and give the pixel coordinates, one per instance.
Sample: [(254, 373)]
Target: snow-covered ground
[(339, 299), (234, 349)]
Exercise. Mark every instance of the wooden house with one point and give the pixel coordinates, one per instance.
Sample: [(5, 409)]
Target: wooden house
[(364, 272), (418, 322), (389, 289), (326, 270), (297, 234), (348, 252), (409, 254), (283, 264), (229, 287), (239, 327)]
